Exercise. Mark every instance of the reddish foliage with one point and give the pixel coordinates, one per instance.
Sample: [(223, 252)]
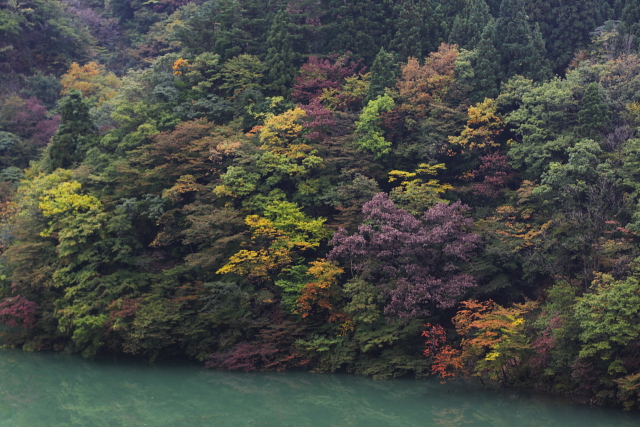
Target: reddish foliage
[(497, 173), (18, 311), (436, 337), (586, 377), (319, 74), (31, 123), (273, 349), (123, 309), (414, 260), (446, 360), (543, 344), (393, 123), (318, 120)]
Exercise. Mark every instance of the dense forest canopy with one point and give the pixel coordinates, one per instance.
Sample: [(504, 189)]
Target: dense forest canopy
[(379, 187)]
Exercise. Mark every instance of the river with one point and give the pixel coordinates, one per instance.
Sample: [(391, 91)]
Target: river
[(43, 389)]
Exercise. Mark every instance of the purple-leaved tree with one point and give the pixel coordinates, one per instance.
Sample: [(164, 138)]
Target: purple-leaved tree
[(414, 261)]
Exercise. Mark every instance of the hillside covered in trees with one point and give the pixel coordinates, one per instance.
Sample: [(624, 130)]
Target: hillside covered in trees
[(414, 187)]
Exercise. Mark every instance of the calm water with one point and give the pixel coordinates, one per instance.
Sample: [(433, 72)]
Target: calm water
[(56, 390)]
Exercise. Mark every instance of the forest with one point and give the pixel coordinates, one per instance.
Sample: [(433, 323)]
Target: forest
[(385, 188)]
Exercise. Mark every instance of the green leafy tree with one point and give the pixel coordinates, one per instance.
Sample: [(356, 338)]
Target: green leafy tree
[(609, 316), (368, 129)]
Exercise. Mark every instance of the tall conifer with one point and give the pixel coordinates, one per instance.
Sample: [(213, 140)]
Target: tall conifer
[(75, 135), (520, 51), (383, 75), (407, 40), (469, 24), (566, 26), (280, 55), (487, 71)]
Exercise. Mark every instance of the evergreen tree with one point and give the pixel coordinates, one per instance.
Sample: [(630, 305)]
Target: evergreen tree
[(540, 67), (595, 115), (630, 17), (75, 135), (487, 71), (383, 75), (469, 24), (494, 7), (407, 40), (121, 9), (358, 26), (519, 52), (444, 14), (230, 37), (566, 26), (575, 23), (280, 55)]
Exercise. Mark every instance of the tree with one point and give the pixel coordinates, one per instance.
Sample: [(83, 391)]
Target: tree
[(609, 317), (358, 26), (280, 237), (594, 118), (416, 262), (566, 27), (494, 345), (486, 67), (75, 135), (92, 80), (482, 129), (368, 127), (517, 44), (280, 55), (469, 24), (409, 39), (318, 74), (383, 75)]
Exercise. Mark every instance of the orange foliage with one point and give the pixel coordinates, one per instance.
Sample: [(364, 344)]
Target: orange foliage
[(493, 341), (179, 65), (320, 293), (421, 85)]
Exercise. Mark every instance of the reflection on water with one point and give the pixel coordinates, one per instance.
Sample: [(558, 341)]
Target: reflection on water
[(57, 390)]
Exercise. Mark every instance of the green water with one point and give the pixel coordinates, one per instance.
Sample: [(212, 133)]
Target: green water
[(56, 390)]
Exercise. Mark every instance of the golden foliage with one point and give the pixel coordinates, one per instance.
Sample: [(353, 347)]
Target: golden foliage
[(92, 80), (482, 127)]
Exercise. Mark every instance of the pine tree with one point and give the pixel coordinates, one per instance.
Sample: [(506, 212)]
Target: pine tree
[(513, 37), (280, 55), (75, 135), (383, 75), (469, 24), (575, 23)]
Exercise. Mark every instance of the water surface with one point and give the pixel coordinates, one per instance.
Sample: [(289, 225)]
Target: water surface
[(56, 390)]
